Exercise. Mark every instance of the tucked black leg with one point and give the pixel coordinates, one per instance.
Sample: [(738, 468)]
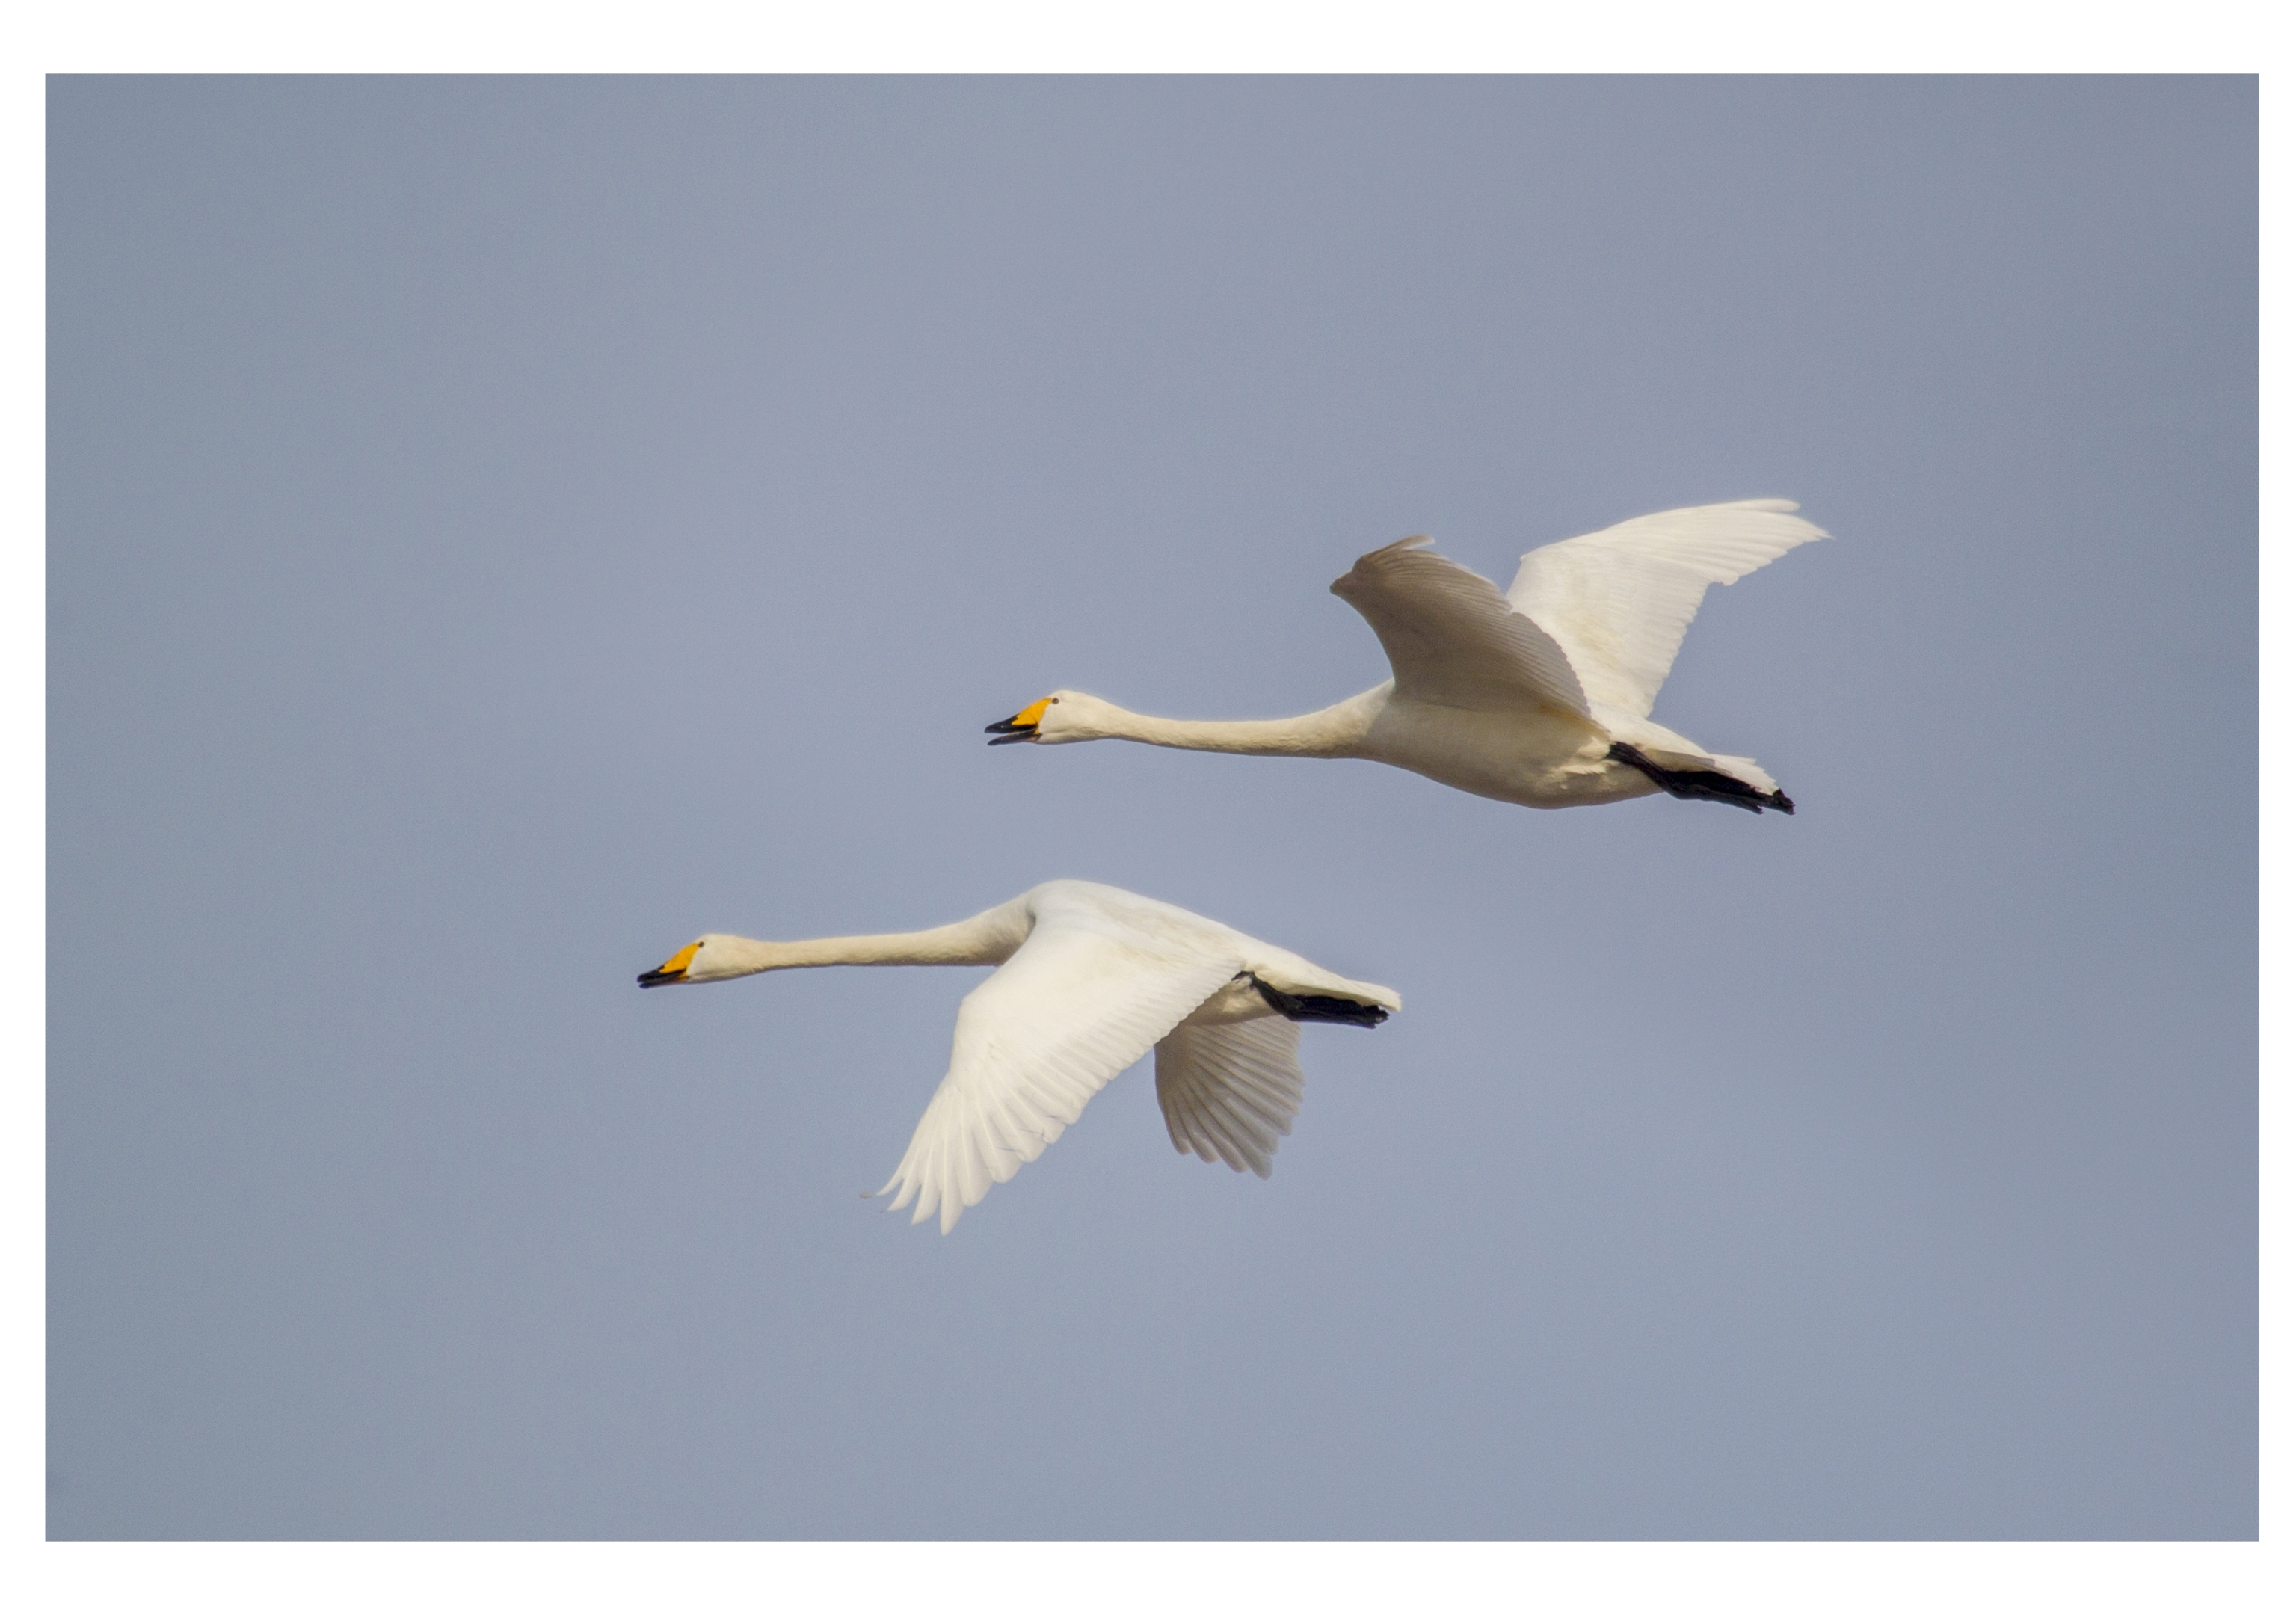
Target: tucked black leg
[(1702, 785), (1314, 1006)]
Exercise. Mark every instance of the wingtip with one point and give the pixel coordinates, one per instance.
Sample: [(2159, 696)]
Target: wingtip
[(1789, 507), (1417, 541)]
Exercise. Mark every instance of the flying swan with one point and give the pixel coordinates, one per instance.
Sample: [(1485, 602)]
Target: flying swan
[(1090, 978), (1540, 696)]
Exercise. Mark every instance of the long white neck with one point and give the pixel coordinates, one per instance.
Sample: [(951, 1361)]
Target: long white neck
[(986, 939), (1336, 730)]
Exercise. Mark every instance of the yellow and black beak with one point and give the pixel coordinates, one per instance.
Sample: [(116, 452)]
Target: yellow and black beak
[(673, 970), (1021, 726)]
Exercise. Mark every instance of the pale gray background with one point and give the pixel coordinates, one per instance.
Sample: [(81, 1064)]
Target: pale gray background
[(499, 529)]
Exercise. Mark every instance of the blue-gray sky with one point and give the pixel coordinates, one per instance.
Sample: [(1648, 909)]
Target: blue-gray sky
[(499, 529)]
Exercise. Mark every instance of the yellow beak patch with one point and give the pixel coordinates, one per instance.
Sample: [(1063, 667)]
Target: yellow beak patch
[(679, 960), (1028, 717)]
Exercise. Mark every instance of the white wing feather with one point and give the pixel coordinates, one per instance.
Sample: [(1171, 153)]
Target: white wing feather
[(1078, 1002), (1230, 1091), (1618, 601), (1451, 636)]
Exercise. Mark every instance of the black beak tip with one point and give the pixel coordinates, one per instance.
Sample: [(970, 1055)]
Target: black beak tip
[(656, 978), (1007, 736)]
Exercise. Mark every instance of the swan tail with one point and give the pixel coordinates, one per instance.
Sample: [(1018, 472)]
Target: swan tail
[(1696, 783)]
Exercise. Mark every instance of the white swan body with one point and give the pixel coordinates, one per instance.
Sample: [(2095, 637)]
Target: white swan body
[(1539, 696), (1091, 977)]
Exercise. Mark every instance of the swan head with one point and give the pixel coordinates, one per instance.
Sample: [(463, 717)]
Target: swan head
[(704, 959), (1064, 715)]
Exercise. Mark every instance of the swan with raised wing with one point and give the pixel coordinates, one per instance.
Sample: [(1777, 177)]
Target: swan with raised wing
[(1540, 696), (1090, 977)]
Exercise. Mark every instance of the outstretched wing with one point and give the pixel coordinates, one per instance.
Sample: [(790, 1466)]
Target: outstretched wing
[(1230, 1092), (1618, 601), (1451, 636), (1079, 1001)]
